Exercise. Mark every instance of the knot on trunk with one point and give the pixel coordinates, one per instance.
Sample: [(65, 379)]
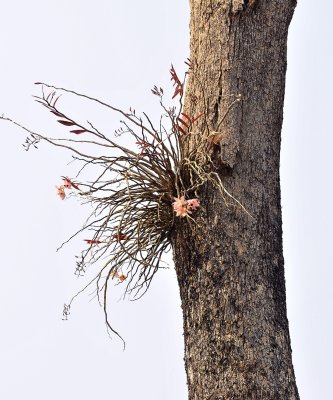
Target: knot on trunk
[(241, 5), (238, 5)]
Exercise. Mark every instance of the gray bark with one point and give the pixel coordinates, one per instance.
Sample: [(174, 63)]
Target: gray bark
[(230, 266)]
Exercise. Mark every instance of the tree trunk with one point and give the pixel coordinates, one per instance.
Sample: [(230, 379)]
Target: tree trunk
[(230, 265)]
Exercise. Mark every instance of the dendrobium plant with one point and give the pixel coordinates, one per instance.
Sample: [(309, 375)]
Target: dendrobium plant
[(135, 195)]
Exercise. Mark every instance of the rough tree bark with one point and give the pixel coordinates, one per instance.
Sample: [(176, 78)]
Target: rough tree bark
[(230, 266)]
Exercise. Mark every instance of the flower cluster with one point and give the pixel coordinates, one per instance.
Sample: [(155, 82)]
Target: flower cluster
[(121, 277), (184, 207), (67, 184)]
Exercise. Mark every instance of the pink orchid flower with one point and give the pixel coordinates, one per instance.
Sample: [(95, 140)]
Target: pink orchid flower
[(193, 204), (180, 206), (67, 183), (184, 207)]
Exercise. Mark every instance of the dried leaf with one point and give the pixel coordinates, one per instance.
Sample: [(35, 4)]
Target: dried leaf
[(119, 236), (49, 95), (174, 76), (178, 90), (188, 63), (176, 82), (187, 117), (55, 101), (67, 123), (197, 117), (180, 129), (183, 122), (58, 114), (92, 241)]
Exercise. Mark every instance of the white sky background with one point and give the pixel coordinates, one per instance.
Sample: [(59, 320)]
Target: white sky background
[(116, 51)]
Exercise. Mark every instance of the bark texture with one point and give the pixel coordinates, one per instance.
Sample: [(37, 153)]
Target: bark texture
[(230, 266)]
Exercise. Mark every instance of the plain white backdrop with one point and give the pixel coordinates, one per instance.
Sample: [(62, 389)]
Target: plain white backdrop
[(117, 51)]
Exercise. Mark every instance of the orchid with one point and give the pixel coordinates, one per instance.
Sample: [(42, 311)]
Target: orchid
[(61, 191), (121, 277), (180, 206), (184, 207), (67, 183), (132, 219), (193, 204)]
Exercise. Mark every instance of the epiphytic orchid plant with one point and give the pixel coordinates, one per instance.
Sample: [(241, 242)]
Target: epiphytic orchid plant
[(136, 195)]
